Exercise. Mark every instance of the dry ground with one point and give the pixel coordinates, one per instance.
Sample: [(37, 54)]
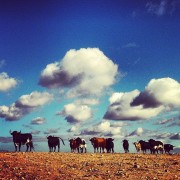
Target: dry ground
[(55, 166)]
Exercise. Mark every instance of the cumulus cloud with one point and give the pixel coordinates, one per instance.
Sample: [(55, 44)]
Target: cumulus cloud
[(38, 121), (7, 82), (120, 108), (159, 95), (73, 129), (24, 105), (164, 91), (104, 128), (78, 70), (175, 136), (75, 113), (138, 132)]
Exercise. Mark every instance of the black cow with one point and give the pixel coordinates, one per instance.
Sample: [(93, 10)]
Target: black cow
[(22, 139), (168, 148), (144, 146), (126, 145), (110, 145), (156, 146), (53, 142)]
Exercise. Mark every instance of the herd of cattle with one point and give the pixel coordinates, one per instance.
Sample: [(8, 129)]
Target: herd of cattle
[(99, 144)]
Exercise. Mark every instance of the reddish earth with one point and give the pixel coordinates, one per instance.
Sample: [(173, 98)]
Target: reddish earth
[(55, 166)]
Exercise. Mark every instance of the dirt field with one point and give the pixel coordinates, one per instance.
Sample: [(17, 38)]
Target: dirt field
[(54, 166)]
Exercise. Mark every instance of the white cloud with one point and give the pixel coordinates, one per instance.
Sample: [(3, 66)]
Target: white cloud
[(165, 90), (38, 121), (138, 132), (86, 101), (75, 113), (175, 136), (6, 82), (34, 99), (73, 129), (159, 95), (86, 71), (104, 128), (24, 105), (121, 109)]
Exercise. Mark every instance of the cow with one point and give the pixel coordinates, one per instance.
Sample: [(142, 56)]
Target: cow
[(83, 146), (137, 146), (98, 143), (126, 145), (73, 145), (156, 146), (168, 148), (22, 139), (110, 145), (53, 142), (144, 146), (78, 144)]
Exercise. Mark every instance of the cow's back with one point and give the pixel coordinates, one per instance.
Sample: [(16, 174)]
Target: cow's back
[(101, 142)]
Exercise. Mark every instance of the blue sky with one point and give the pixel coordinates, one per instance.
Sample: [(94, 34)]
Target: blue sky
[(90, 68)]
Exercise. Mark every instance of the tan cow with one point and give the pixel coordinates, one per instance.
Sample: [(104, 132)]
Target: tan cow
[(137, 146)]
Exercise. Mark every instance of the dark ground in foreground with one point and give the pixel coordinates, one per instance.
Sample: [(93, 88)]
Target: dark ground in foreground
[(55, 166)]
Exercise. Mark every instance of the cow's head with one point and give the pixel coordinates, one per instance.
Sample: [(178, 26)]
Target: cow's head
[(125, 141), (151, 140), (92, 140), (49, 137), (171, 147), (15, 133)]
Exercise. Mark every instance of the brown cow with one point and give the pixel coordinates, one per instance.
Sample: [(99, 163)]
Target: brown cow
[(77, 144), (73, 145), (98, 143)]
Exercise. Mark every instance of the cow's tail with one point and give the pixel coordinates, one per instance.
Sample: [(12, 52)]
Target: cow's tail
[(62, 141)]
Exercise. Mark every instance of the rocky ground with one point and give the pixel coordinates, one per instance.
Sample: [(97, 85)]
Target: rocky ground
[(55, 166)]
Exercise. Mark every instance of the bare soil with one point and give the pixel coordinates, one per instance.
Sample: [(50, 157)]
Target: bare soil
[(91, 166)]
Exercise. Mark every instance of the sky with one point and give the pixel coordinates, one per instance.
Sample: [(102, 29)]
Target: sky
[(103, 68)]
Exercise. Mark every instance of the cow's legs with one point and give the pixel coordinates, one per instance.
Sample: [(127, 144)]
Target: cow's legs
[(27, 145), (19, 147), (15, 147), (58, 147), (81, 149)]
